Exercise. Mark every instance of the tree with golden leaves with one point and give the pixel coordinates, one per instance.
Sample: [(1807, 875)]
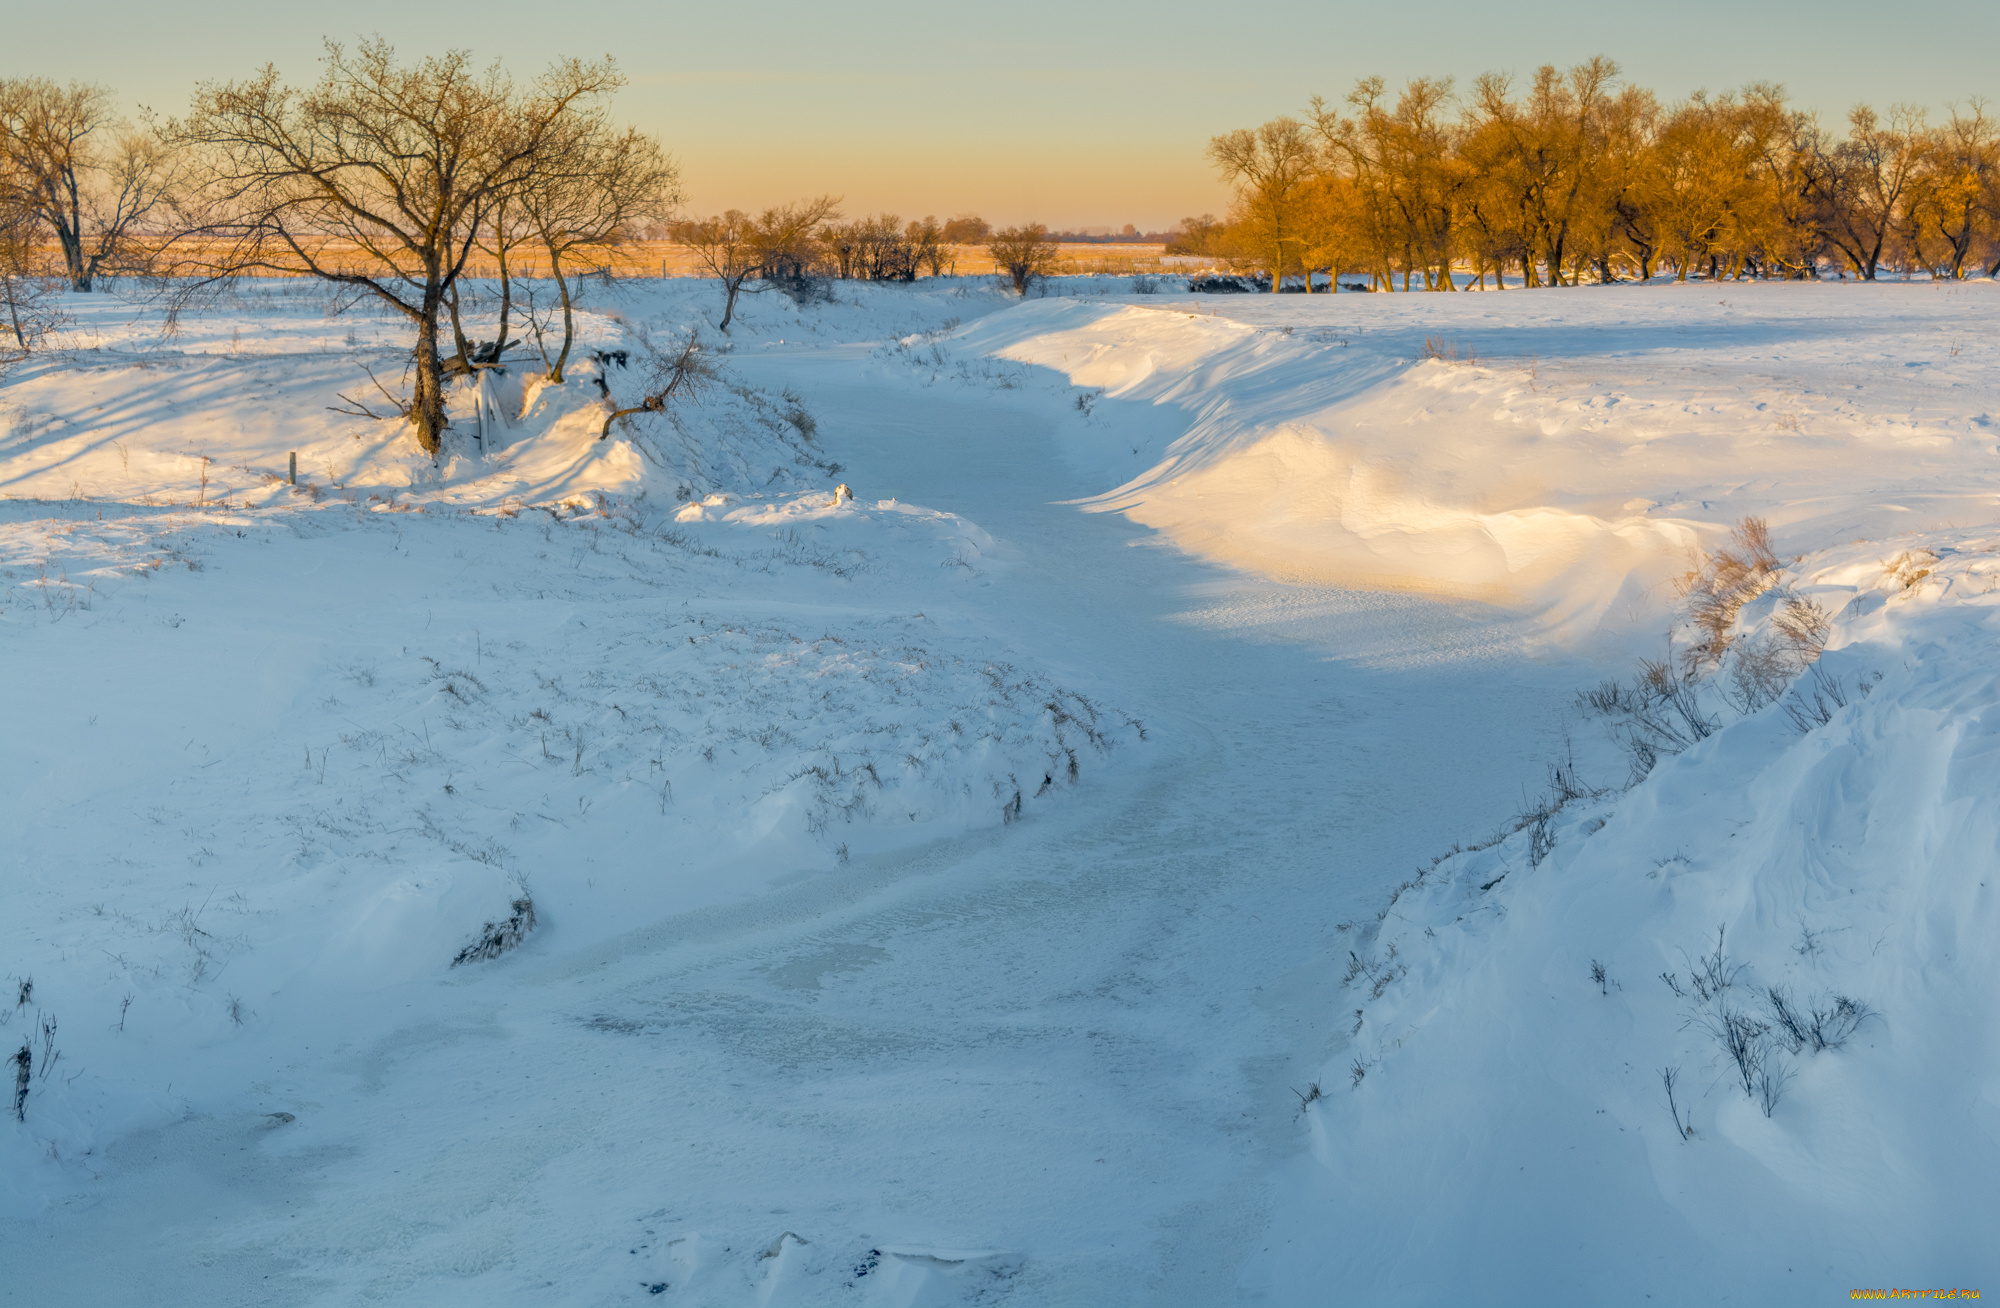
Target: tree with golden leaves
[(1270, 167)]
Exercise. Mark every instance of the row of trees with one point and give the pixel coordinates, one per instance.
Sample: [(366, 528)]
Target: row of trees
[(382, 179), (1577, 177), (791, 247)]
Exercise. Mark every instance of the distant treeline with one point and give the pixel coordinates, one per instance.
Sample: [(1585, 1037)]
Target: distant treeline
[(1580, 178)]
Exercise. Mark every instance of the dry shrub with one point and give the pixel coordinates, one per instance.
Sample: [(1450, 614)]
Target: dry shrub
[(1803, 625), (1717, 590), (1655, 714), (1661, 712), (1761, 669), (1908, 568)]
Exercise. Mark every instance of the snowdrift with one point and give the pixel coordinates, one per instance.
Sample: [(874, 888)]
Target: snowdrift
[(1562, 454), (1729, 1031)]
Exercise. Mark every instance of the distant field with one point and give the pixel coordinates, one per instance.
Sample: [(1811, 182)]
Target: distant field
[(668, 259)]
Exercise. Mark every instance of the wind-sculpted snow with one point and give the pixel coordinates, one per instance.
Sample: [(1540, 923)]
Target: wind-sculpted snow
[(1738, 1015), (1563, 454)]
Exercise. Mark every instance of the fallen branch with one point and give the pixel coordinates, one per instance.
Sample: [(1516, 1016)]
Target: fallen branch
[(669, 378)]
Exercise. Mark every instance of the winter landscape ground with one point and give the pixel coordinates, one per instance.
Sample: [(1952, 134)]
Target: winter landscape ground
[(1196, 827)]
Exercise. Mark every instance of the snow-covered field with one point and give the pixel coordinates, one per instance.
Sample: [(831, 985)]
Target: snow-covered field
[(1065, 873)]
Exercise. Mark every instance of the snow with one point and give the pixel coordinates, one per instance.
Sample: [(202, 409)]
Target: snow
[(954, 894), (1565, 465)]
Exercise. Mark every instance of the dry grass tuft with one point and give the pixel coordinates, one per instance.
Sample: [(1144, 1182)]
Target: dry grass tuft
[(1760, 670), (1448, 352), (1908, 568), (1717, 590)]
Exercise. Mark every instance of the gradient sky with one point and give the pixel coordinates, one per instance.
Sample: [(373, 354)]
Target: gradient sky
[(1069, 114)]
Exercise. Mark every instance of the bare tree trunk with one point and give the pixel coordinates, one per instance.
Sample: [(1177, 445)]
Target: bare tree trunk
[(463, 346), (506, 302), (569, 320), (69, 231), (427, 405), (1961, 244), (730, 286)]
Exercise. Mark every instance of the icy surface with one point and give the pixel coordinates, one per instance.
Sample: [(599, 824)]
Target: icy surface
[(956, 894)]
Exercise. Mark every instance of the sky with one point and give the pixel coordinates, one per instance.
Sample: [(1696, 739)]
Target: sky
[(1073, 115)]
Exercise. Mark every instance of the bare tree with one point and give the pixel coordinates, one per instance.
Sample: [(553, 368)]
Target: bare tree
[(596, 185), (1954, 196), (883, 249), (504, 232), (789, 240), (735, 248), (1023, 254), (30, 298), (928, 248), (967, 229), (725, 245), (378, 179), (1548, 151), (91, 178)]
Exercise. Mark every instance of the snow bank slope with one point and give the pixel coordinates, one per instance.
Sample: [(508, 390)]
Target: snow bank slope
[(281, 752), (1497, 1120), (215, 413), (1566, 452)]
